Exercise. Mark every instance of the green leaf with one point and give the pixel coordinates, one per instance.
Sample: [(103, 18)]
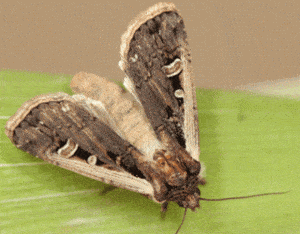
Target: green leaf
[(249, 145)]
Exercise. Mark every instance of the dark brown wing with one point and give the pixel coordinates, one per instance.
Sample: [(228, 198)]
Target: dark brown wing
[(57, 129), (156, 59)]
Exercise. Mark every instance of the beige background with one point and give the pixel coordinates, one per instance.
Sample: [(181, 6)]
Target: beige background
[(233, 42)]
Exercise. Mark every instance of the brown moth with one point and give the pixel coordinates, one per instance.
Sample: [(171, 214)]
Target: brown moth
[(146, 142)]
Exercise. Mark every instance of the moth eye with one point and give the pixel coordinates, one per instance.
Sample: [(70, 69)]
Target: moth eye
[(92, 160), (134, 59), (173, 69), (68, 149), (179, 93)]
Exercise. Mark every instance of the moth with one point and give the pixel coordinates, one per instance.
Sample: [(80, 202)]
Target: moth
[(146, 141)]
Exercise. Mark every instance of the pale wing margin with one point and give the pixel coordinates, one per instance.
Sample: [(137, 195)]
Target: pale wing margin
[(191, 124), (119, 179)]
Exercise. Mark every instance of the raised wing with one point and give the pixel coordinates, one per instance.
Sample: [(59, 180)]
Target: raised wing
[(156, 59)]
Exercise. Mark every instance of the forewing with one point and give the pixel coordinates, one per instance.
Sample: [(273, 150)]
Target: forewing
[(58, 129), (156, 59)]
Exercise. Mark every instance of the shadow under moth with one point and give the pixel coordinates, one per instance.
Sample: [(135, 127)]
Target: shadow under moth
[(146, 141)]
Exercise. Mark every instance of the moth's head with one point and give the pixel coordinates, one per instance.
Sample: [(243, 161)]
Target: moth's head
[(187, 196), (191, 202), (175, 177)]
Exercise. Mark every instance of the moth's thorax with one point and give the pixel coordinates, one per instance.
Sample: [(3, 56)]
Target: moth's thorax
[(173, 170), (175, 178)]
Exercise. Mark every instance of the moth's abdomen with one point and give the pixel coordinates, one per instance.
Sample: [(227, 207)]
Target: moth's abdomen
[(128, 117)]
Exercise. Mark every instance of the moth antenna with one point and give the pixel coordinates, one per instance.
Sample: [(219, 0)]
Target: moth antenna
[(242, 197), (182, 221), (230, 198)]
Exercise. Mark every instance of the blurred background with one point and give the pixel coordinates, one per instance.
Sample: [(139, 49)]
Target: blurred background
[(233, 43)]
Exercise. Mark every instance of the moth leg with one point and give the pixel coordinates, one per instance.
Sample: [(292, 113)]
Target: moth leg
[(202, 181), (107, 189), (164, 207), (163, 210)]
